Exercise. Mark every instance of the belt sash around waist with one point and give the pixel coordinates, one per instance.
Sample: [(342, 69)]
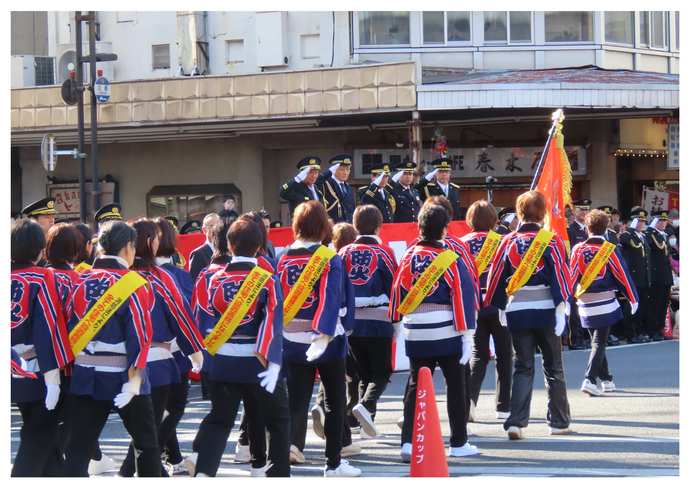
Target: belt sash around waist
[(531, 297), (372, 313), (104, 363), (597, 297)]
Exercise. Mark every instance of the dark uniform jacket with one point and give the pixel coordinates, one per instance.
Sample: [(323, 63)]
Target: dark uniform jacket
[(636, 254), (371, 195), (611, 236), (660, 274), (577, 234), (339, 205), (503, 229), (199, 259), (427, 190), (298, 192), (407, 202)]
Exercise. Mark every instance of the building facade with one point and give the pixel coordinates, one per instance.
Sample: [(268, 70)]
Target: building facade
[(272, 87)]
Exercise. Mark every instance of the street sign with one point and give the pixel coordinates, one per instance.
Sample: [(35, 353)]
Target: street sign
[(101, 89), (48, 152), (69, 91)]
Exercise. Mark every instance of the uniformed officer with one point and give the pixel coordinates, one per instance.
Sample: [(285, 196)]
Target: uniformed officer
[(636, 251), (660, 274), (407, 200), (190, 227), (303, 187), (577, 233), (111, 211), (441, 186), (611, 234), (42, 211), (507, 221), (338, 196), (376, 193)]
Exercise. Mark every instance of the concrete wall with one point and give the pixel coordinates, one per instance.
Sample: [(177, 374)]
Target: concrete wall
[(29, 33)]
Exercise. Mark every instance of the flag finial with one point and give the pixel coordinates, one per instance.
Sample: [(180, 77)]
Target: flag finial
[(557, 117)]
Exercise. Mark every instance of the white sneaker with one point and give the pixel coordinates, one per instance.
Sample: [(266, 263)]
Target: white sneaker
[(462, 451), (590, 388), (169, 469), (515, 433), (343, 471), (296, 456), (608, 386), (317, 419), (101, 466), (260, 472), (502, 415), (473, 407), (557, 431), (364, 418), (179, 468), (400, 422), (351, 450), (406, 452), (190, 463), (242, 454)]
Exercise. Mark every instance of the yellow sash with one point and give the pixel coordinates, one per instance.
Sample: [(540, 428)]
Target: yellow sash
[(81, 267), (104, 308), (305, 283), (529, 261), (426, 281), (486, 253), (237, 309), (593, 268)]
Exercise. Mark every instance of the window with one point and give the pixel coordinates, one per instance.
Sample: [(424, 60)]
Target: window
[(568, 26), (504, 26), (677, 30), (445, 27), (384, 28), (190, 202), (160, 56), (44, 71), (234, 51), (654, 30), (644, 29), (619, 27)]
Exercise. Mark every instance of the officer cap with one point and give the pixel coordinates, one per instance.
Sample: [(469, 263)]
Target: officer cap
[(190, 227), (173, 220), (406, 166), (504, 212), (660, 214), (45, 206), (638, 213), (608, 209), (382, 168), (309, 162), (442, 164), (342, 159), (584, 204), (111, 211)]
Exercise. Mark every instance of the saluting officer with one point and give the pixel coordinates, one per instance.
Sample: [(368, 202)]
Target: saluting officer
[(660, 273), (376, 193), (42, 211), (302, 187), (338, 197), (577, 231), (507, 221), (636, 251), (441, 186), (407, 200), (611, 234)]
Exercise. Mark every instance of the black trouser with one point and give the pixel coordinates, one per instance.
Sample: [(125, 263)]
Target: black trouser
[(270, 410), (488, 326), (456, 390), (39, 452), (372, 356), (89, 417), (525, 343), (626, 328), (598, 366), (300, 379), (576, 334), (659, 298), (167, 432), (159, 399)]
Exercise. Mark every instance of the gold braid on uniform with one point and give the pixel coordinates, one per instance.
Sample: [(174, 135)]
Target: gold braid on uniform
[(660, 246), (336, 201)]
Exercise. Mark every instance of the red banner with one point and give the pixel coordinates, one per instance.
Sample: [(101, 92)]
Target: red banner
[(397, 236)]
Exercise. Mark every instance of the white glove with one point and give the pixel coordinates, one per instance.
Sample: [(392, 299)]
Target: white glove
[(301, 176), (503, 320), (129, 391), (431, 175), (269, 377), (467, 346), (560, 319), (52, 381), (378, 180), (633, 308), (318, 346), (197, 360), (396, 176), (333, 168)]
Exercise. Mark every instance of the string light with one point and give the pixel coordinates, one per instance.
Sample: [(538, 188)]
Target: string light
[(641, 153)]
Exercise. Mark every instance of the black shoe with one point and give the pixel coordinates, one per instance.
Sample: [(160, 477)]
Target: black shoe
[(658, 337), (638, 339), (612, 341)]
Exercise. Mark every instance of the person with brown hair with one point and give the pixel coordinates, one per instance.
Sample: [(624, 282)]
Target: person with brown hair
[(343, 234), (314, 332), (534, 310), (172, 322), (482, 218), (596, 296)]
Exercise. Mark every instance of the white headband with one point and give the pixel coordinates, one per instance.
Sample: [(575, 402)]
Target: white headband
[(508, 218), (655, 220)]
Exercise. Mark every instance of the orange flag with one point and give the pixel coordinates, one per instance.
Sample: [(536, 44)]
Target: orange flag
[(555, 183)]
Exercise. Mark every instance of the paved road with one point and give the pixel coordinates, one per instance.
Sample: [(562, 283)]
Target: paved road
[(632, 432)]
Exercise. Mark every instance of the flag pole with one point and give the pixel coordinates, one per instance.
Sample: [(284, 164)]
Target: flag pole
[(557, 119)]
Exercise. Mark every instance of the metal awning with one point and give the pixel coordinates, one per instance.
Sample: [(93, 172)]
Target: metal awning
[(585, 87)]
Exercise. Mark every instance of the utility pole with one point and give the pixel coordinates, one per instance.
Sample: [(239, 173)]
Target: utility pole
[(96, 197), (80, 117)]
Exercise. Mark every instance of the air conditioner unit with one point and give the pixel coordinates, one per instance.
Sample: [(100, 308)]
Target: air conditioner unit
[(65, 54), (271, 39), (29, 70)]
